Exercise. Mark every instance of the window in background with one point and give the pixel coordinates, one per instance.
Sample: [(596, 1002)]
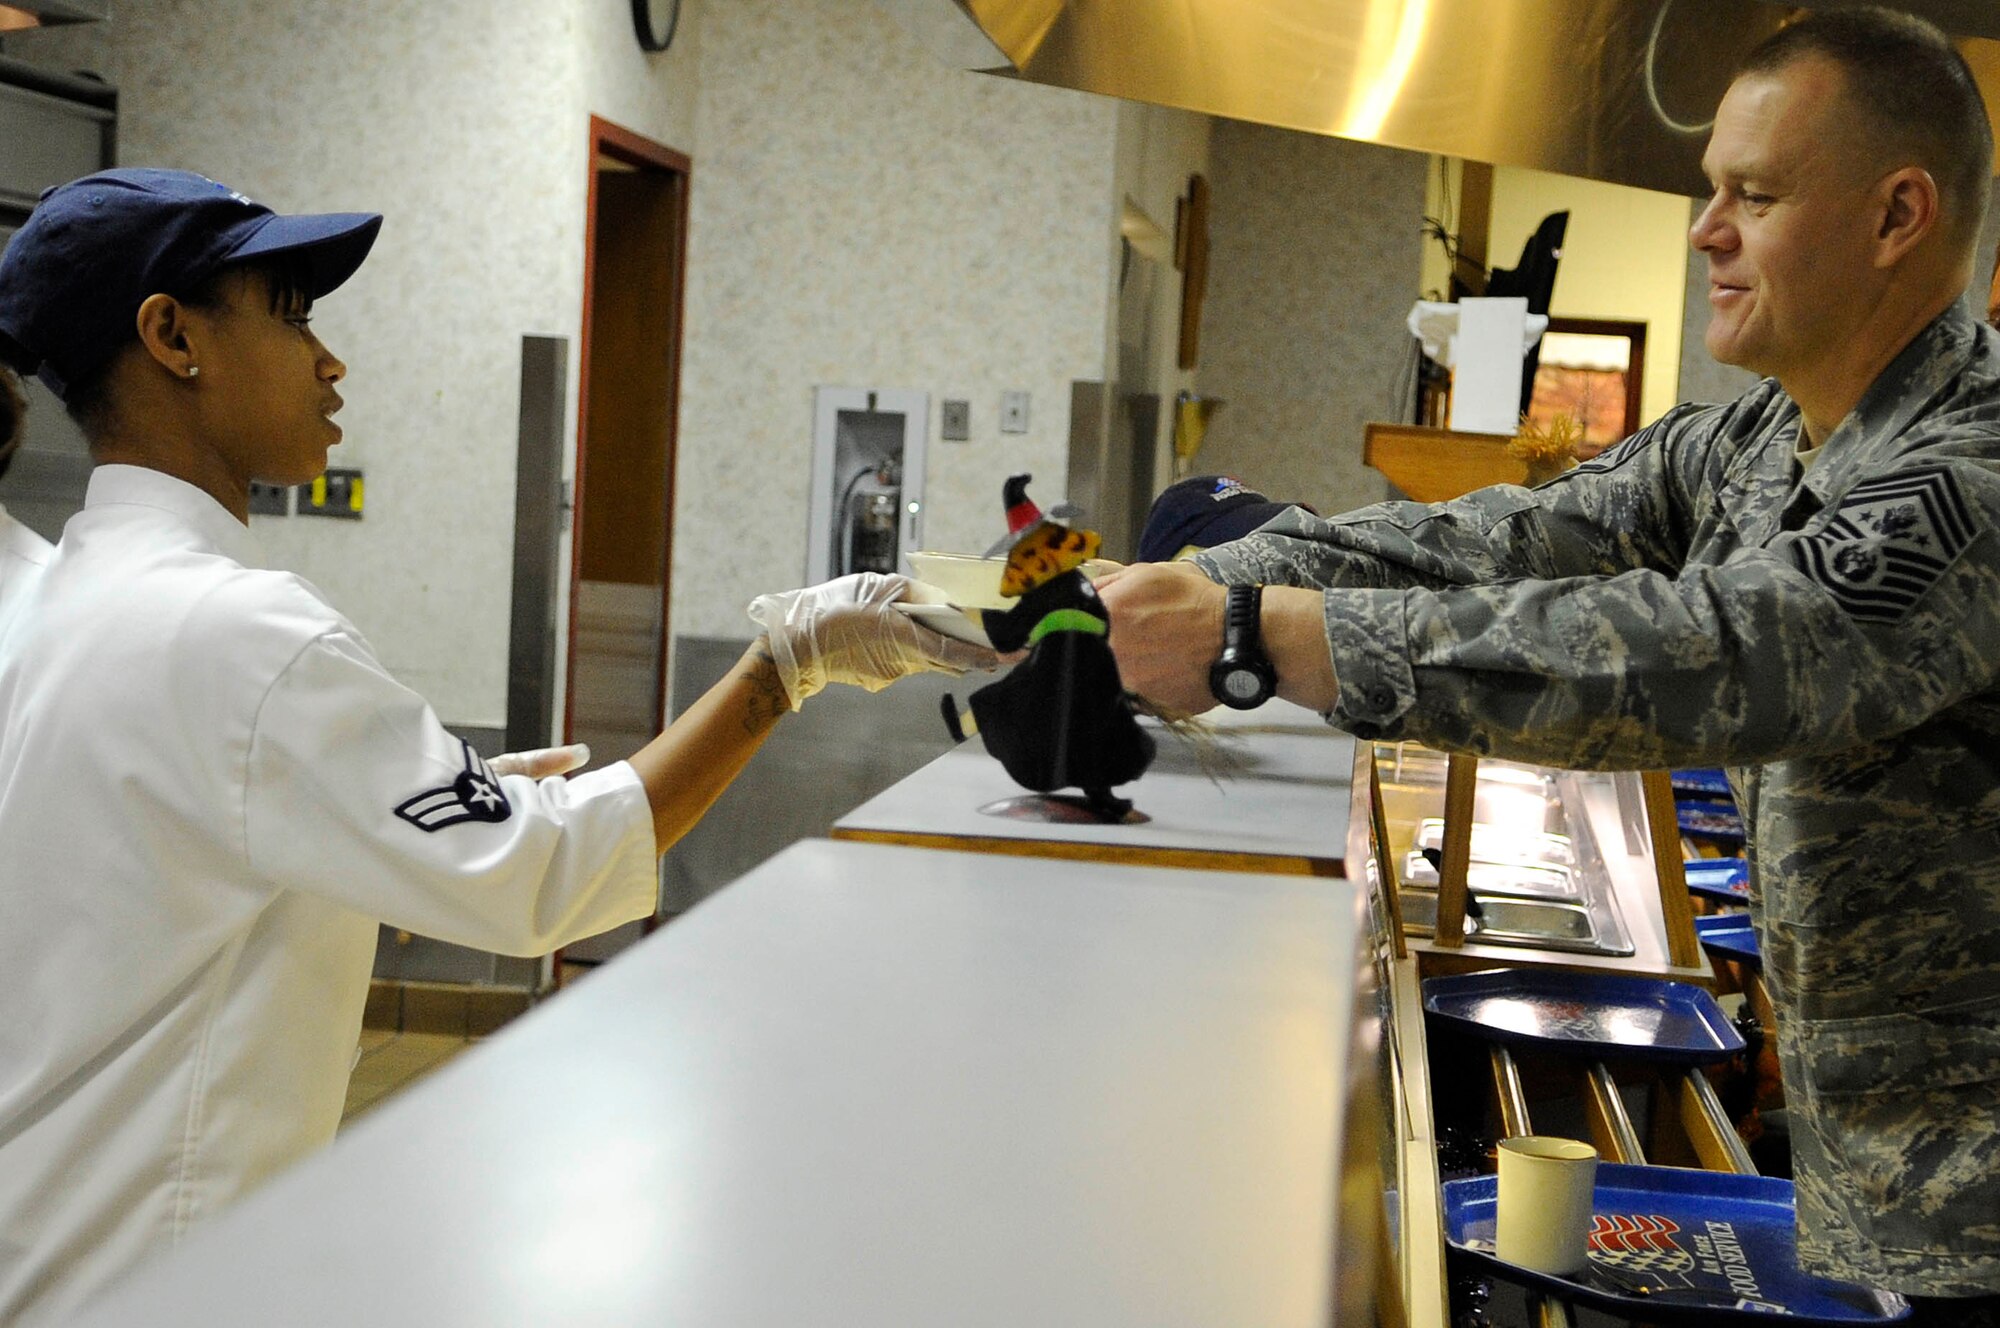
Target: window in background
[(1591, 370)]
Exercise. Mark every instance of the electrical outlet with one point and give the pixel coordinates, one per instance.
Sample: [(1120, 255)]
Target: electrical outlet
[(270, 499), (336, 493), (1013, 412), (955, 421)]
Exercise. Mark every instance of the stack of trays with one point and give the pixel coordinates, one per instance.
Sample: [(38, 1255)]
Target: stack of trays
[(1725, 880), (1730, 936), (1668, 1245), (1705, 806)]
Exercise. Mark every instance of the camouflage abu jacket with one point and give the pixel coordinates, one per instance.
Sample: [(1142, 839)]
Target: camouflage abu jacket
[(1689, 599)]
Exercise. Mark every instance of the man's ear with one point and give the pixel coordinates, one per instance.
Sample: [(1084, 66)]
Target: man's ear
[(166, 332), (1907, 210)]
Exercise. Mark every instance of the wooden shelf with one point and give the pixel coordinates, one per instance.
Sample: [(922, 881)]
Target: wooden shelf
[(1433, 465)]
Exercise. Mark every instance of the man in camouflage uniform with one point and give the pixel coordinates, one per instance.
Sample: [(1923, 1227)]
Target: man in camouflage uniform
[(1803, 584)]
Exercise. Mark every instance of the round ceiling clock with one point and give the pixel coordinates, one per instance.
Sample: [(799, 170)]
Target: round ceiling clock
[(654, 21)]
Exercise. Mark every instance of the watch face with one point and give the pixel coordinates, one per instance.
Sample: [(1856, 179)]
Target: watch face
[(1242, 685)]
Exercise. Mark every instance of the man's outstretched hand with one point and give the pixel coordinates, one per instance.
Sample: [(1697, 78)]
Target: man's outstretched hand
[(1166, 629)]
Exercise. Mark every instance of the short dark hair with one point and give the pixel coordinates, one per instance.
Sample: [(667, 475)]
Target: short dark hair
[(1910, 86), (291, 288)]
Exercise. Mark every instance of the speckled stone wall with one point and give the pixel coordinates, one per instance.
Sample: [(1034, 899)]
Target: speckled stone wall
[(470, 135), (861, 215), (1314, 259), (866, 217), (1159, 148)]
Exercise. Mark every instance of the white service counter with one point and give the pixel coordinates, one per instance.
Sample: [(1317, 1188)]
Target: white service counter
[(865, 1085), (1277, 797)]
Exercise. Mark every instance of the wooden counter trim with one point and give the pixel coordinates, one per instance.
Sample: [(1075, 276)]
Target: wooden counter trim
[(1663, 828), (1461, 790), (1422, 1195), (1436, 465), (1127, 855)]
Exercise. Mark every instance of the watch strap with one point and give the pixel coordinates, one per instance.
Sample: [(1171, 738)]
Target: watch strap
[(1242, 621)]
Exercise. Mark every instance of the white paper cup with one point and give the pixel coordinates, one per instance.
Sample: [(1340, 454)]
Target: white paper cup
[(1542, 1216)]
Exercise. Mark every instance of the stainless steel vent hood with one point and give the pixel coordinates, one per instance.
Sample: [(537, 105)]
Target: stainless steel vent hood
[(1618, 90)]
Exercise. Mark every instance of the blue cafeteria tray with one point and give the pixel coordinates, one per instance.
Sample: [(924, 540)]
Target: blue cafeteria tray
[(1714, 821), (1701, 783), (1583, 1013), (1675, 1245), (1723, 879), (1730, 936)]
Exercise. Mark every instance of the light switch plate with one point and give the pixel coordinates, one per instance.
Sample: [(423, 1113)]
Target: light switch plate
[(270, 499), (1013, 412), (955, 421)]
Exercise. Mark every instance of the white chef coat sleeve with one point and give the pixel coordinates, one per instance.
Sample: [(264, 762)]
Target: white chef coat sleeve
[(354, 791)]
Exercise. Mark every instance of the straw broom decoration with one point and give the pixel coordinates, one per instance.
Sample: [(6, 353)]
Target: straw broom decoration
[(1547, 450)]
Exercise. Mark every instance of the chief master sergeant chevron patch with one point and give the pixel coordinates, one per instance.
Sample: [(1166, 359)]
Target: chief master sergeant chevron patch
[(1888, 542)]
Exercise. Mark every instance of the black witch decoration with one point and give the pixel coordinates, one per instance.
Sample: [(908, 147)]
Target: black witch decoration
[(1061, 717)]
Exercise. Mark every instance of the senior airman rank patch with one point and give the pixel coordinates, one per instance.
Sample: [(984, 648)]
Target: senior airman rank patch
[(1888, 542), (476, 795)]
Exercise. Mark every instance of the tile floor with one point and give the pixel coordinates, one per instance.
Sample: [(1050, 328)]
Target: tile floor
[(391, 1059)]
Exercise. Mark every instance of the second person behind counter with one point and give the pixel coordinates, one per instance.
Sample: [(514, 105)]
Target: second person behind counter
[(211, 790), (1201, 512)]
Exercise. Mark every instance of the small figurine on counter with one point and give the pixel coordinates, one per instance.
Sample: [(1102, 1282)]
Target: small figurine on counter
[(1061, 717)]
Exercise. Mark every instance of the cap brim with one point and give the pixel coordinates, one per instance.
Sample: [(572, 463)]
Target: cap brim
[(332, 243)]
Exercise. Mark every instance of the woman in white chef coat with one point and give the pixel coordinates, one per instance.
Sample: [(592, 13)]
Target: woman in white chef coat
[(211, 790)]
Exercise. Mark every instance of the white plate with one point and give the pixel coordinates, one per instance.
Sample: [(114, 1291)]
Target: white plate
[(946, 620), (962, 578), (974, 582)]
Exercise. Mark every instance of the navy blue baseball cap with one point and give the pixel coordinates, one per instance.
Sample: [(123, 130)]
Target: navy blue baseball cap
[(1203, 511), (93, 251)]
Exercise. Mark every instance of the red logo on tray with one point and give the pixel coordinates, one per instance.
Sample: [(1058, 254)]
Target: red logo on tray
[(1638, 1241)]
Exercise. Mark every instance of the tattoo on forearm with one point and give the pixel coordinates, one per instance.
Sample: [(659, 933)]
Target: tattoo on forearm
[(767, 702)]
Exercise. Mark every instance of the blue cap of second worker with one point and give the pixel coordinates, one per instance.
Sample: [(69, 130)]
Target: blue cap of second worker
[(1201, 512), (93, 250)]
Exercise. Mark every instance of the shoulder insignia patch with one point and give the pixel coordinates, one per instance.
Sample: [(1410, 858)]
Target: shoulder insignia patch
[(1887, 543), (476, 795)]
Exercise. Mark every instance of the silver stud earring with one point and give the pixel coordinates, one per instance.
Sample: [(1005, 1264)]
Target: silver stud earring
[(194, 370)]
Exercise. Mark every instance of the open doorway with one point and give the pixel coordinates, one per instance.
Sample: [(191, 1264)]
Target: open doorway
[(628, 403)]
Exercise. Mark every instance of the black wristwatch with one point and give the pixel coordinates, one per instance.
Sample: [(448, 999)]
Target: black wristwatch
[(1242, 677)]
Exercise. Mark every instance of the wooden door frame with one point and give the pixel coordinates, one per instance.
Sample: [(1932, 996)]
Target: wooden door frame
[(621, 144), (1630, 330)]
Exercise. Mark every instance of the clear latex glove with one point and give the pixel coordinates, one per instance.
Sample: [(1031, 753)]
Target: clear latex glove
[(846, 631), (542, 762)]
